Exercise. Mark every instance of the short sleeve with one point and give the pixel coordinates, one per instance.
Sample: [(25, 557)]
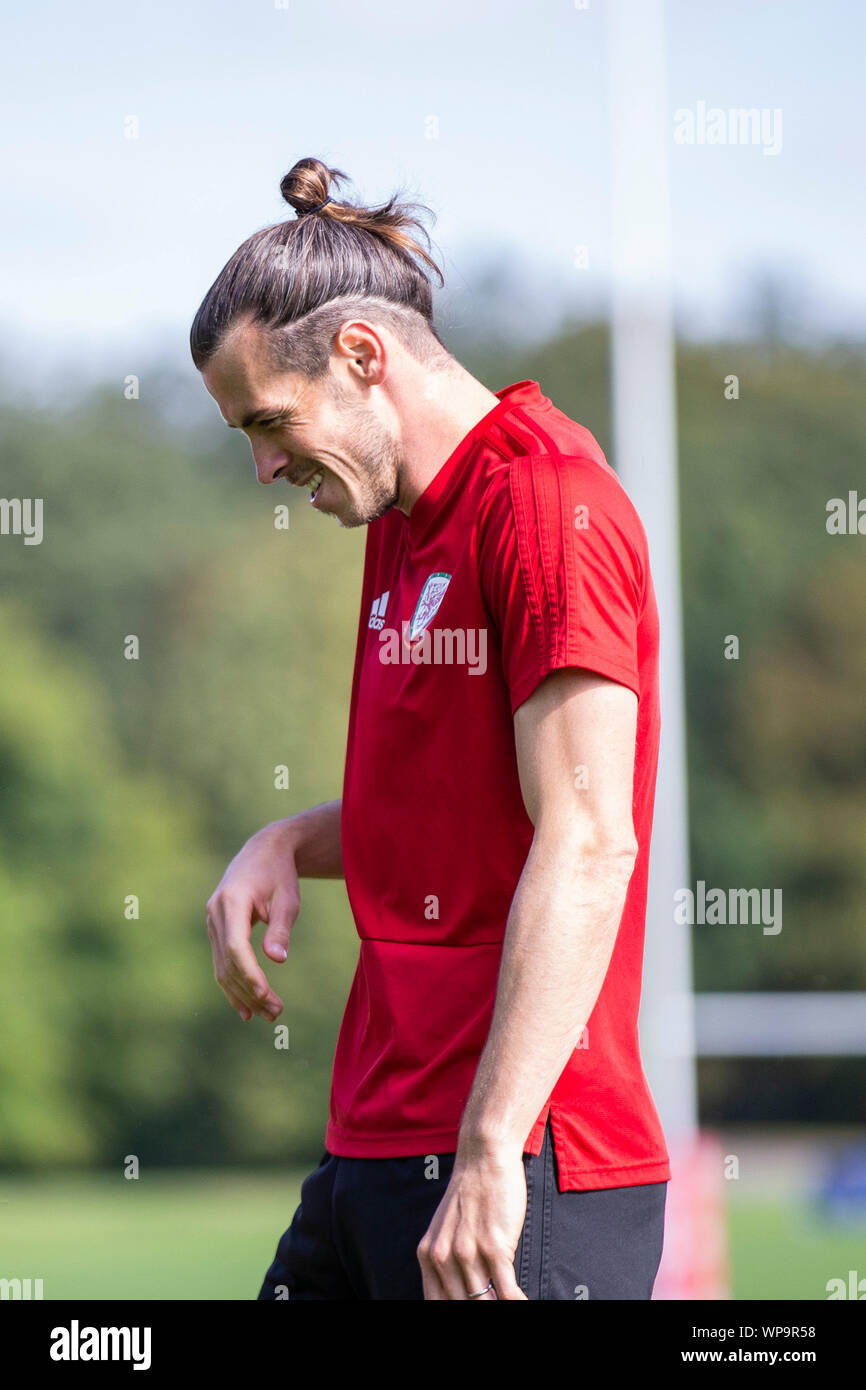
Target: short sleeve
[(562, 561)]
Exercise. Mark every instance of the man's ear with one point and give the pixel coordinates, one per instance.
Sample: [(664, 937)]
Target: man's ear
[(363, 350)]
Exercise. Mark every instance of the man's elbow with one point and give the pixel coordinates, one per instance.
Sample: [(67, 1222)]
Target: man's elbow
[(608, 850), (616, 854)]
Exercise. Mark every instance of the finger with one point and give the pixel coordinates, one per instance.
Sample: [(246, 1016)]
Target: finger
[(474, 1270), (505, 1280), (448, 1273), (231, 996), (241, 971), (213, 931), (281, 916), (433, 1290), (476, 1276), (244, 977), (226, 967), (238, 1005)]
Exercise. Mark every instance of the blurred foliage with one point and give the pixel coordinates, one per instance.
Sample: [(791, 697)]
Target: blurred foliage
[(144, 776)]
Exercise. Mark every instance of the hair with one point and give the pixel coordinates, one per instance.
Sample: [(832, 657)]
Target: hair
[(303, 277)]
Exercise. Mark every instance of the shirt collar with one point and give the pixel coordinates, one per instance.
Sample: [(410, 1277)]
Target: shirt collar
[(520, 393)]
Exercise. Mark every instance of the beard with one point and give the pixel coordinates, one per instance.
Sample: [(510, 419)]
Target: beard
[(378, 459)]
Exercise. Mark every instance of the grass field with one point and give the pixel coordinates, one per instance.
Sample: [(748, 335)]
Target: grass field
[(167, 1235), (212, 1235)]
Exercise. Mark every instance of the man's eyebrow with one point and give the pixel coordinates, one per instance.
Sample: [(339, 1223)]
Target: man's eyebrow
[(256, 416)]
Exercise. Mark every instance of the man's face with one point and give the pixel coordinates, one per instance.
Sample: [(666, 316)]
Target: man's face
[(312, 433)]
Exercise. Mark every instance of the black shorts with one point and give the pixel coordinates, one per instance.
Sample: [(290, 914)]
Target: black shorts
[(356, 1231)]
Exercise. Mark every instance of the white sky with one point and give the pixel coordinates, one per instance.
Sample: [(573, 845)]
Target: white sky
[(109, 243)]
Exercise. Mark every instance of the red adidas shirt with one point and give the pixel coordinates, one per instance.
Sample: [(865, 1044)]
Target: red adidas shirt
[(523, 555)]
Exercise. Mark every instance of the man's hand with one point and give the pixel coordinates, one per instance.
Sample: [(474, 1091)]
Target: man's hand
[(259, 885), (475, 1232)]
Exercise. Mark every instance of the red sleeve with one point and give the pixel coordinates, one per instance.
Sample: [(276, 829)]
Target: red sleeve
[(562, 562)]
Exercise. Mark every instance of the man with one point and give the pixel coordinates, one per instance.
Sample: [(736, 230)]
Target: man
[(491, 1131)]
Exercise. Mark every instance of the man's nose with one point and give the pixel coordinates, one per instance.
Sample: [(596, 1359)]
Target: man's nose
[(268, 462)]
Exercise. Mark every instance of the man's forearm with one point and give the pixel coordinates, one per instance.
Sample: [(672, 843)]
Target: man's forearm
[(558, 944), (314, 838)]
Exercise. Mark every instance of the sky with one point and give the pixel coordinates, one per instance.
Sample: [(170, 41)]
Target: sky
[(495, 115)]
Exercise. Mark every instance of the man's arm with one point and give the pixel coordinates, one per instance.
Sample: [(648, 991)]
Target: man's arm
[(575, 740), (261, 885)]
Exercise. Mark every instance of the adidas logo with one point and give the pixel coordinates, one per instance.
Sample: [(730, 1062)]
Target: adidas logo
[(377, 612)]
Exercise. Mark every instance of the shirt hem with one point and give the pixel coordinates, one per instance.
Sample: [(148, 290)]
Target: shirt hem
[(344, 1145), (571, 1178), (593, 1179), (582, 658)]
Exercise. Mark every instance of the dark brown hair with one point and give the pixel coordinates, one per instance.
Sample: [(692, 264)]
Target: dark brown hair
[(304, 277)]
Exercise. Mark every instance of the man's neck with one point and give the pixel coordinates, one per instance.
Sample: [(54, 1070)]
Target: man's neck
[(451, 404)]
